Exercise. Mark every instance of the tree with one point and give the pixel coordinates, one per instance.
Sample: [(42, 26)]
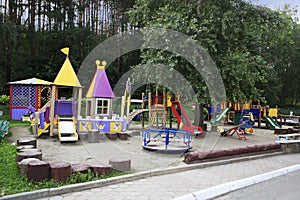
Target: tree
[(33, 32), (240, 37)]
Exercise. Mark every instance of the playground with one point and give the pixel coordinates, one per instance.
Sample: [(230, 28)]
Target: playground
[(141, 160), (93, 134)]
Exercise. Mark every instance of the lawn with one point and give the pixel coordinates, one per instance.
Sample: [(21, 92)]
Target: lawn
[(11, 182)]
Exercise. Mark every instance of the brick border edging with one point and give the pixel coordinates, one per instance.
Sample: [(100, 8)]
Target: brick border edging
[(43, 193)]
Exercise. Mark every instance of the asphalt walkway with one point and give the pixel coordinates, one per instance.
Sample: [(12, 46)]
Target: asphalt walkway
[(175, 185)]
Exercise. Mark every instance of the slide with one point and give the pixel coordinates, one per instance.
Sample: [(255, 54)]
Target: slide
[(182, 117), (67, 130), (135, 113), (272, 123), (220, 116)]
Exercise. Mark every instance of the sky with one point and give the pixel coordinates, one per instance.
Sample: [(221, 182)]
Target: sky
[(274, 4)]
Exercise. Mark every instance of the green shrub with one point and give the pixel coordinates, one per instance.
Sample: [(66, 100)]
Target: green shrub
[(4, 99), (80, 177)]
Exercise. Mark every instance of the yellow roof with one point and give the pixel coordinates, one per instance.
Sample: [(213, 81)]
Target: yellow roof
[(67, 75), (90, 91)]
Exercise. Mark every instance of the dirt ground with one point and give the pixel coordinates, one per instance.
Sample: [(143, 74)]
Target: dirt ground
[(141, 160)]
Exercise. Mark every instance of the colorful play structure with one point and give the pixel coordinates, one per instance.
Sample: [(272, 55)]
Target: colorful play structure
[(230, 113), (99, 114), (158, 136), (27, 93), (42, 103), (158, 108), (63, 114)]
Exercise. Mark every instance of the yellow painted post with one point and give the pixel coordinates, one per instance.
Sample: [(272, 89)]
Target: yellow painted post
[(128, 108)]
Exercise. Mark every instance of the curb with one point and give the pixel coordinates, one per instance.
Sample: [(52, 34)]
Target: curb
[(225, 188), (48, 192)]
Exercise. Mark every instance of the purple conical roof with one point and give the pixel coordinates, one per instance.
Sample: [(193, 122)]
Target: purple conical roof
[(102, 87)]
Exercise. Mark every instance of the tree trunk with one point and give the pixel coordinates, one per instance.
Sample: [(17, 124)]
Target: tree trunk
[(199, 115), (96, 17)]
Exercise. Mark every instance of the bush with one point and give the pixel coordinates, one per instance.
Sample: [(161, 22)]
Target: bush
[(4, 99)]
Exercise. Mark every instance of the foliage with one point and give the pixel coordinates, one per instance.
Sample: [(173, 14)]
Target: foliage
[(33, 33), (80, 178), (261, 44), (286, 110), (251, 45), (5, 110), (4, 99)]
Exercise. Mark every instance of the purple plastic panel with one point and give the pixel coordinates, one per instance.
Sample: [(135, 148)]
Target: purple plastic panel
[(124, 124), (17, 113), (103, 125), (65, 107), (47, 115)]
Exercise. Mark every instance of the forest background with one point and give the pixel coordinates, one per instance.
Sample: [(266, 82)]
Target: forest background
[(256, 49)]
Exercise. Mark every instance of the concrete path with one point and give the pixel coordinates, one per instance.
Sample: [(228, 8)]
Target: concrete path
[(175, 185)]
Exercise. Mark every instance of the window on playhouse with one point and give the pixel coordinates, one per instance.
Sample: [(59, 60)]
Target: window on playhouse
[(102, 107)]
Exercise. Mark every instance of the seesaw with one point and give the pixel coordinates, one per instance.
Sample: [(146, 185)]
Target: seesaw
[(230, 132)]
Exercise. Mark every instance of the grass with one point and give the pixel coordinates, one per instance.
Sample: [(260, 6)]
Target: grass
[(12, 182), (5, 116), (10, 179)]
